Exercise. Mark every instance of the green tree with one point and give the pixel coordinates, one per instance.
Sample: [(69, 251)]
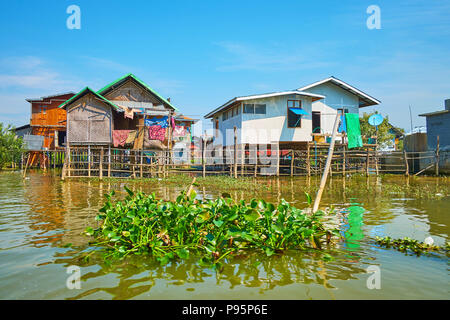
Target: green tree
[(384, 137), (11, 146)]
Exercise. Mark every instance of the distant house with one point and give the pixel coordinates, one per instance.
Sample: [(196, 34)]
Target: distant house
[(48, 120), (125, 106), (22, 130), (287, 118), (438, 124)]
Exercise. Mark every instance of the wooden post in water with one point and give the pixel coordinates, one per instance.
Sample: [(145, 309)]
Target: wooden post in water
[(109, 161), (367, 162), (406, 163), (344, 161), (292, 162), (308, 160), (278, 159), (242, 159), (327, 166), (437, 157), (89, 160), (142, 162), (235, 153), (204, 155), (100, 173), (68, 160)]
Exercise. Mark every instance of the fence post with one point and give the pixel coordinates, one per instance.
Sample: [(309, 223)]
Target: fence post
[(109, 161), (101, 164), (308, 161), (235, 153), (292, 162), (437, 156), (204, 155), (406, 163)]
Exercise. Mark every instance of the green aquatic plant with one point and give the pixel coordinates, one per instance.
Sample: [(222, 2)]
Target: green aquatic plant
[(413, 245), (211, 230)]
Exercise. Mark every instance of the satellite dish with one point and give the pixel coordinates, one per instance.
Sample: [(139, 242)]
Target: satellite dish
[(376, 119)]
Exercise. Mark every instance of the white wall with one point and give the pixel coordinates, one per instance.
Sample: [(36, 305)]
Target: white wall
[(269, 127), (335, 98)]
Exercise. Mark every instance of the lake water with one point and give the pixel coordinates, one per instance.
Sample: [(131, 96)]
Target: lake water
[(40, 214)]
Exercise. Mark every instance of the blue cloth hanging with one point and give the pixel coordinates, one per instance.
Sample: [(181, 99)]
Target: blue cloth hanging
[(163, 122), (343, 125)]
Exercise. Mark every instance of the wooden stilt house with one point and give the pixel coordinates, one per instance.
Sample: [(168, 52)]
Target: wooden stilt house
[(124, 107)]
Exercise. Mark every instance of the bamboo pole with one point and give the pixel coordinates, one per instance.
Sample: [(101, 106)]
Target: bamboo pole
[(89, 160), (367, 162), (100, 174), (292, 163), (406, 163), (142, 161), (235, 153), (327, 166), (204, 155), (437, 157), (109, 161), (308, 160)]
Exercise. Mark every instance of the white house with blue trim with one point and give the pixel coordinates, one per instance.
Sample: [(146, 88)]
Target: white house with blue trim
[(288, 117)]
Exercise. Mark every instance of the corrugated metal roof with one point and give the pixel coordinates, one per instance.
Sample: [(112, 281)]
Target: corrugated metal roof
[(435, 113), (130, 75), (85, 90), (369, 100), (265, 95)]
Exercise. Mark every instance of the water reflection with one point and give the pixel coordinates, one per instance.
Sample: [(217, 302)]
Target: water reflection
[(137, 276), (40, 214)]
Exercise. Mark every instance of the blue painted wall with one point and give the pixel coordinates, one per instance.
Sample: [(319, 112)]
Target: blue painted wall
[(438, 125)]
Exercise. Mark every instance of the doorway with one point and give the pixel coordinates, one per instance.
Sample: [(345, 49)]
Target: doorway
[(316, 122)]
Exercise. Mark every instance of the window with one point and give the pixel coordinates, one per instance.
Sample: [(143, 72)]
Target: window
[(43, 109), (249, 108), (225, 116), (342, 110), (260, 109), (294, 120), (255, 108)]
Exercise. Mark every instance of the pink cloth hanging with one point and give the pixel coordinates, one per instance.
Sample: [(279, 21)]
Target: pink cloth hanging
[(120, 137), (179, 131), (157, 133)]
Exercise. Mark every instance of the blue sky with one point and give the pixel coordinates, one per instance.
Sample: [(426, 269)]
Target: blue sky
[(203, 53)]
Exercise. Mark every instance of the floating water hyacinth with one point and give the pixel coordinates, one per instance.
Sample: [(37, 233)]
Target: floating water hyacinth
[(211, 230), (412, 245)]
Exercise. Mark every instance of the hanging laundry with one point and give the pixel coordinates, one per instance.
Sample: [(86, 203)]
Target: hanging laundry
[(172, 122), (353, 130), (139, 141), (128, 113), (120, 137), (162, 122), (131, 137), (179, 131), (157, 133), (343, 125)]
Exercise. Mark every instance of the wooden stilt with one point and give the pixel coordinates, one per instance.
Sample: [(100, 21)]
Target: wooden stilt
[(327, 166), (437, 157), (308, 160), (235, 153), (406, 163), (292, 162), (100, 174)]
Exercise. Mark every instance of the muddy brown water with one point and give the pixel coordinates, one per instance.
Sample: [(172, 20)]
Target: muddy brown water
[(40, 214)]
